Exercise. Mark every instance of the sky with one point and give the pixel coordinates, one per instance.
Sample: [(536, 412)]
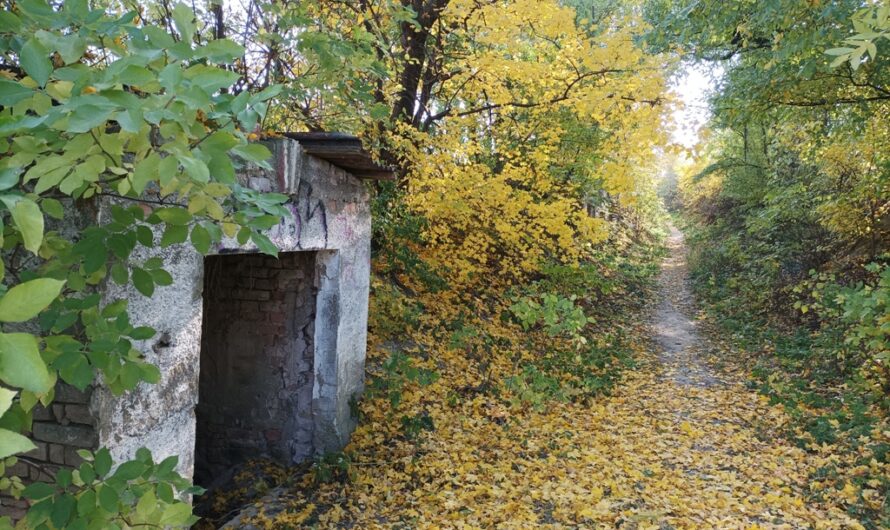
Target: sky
[(692, 85)]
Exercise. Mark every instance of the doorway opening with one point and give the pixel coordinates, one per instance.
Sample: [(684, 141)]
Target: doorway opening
[(257, 361)]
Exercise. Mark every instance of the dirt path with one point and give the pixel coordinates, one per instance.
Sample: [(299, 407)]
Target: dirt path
[(702, 441), (673, 327)]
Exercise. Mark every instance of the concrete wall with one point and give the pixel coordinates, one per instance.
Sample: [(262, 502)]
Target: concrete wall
[(330, 212)]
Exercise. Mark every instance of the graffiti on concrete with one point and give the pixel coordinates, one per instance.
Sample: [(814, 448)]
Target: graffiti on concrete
[(306, 209)]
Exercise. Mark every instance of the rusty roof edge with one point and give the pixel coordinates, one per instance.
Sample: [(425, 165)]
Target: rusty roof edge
[(344, 151)]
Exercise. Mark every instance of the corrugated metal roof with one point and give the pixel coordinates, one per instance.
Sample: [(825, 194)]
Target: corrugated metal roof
[(344, 151)]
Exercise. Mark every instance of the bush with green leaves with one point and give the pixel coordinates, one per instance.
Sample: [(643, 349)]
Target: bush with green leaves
[(101, 112), (333, 467), (853, 322), (398, 371), (137, 493), (577, 368), (556, 315), (534, 387)]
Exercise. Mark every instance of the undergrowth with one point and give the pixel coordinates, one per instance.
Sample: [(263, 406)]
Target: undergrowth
[(817, 347)]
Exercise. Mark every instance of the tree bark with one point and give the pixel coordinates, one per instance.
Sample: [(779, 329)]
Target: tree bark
[(414, 38)]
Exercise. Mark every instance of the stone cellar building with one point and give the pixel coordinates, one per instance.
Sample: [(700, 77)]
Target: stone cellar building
[(259, 357)]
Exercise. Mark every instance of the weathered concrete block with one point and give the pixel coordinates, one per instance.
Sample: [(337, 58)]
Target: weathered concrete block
[(40, 413), (71, 435), (57, 454), (41, 452), (68, 394), (79, 414), (72, 459), (59, 413)]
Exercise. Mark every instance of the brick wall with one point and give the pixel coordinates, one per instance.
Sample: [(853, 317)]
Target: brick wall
[(256, 376), (58, 432)]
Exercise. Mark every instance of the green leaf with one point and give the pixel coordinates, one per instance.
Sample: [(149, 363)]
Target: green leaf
[(86, 117), (29, 220), (64, 477), (25, 300), (220, 141), (50, 178), (87, 474), (53, 208), (253, 152), (142, 333), (838, 61), (108, 498), (839, 51), (167, 169), (37, 491), (161, 277), (12, 443), (177, 515), (171, 76), (201, 239), (146, 504), (264, 244), (221, 168), (167, 466), (34, 59), (143, 282), (196, 169), (91, 168), (145, 172), (174, 234), (145, 236), (221, 51), (136, 75), (174, 215), (103, 462), (119, 274), (272, 91), (159, 37), (130, 121), (9, 178), (21, 365), (78, 373), (6, 397), (12, 92), (115, 308), (48, 165), (210, 78), (165, 491), (86, 504), (71, 48), (130, 470), (63, 508), (9, 23), (121, 245), (184, 18)]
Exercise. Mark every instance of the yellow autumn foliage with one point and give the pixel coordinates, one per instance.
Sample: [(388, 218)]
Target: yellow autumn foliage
[(485, 181)]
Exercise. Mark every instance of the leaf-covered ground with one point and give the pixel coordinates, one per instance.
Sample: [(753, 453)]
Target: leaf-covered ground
[(678, 444)]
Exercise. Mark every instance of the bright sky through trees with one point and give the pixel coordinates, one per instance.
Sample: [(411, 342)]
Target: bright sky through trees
[(692, 86)]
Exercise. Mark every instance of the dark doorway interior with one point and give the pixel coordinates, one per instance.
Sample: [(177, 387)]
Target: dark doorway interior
[(257, 356)]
